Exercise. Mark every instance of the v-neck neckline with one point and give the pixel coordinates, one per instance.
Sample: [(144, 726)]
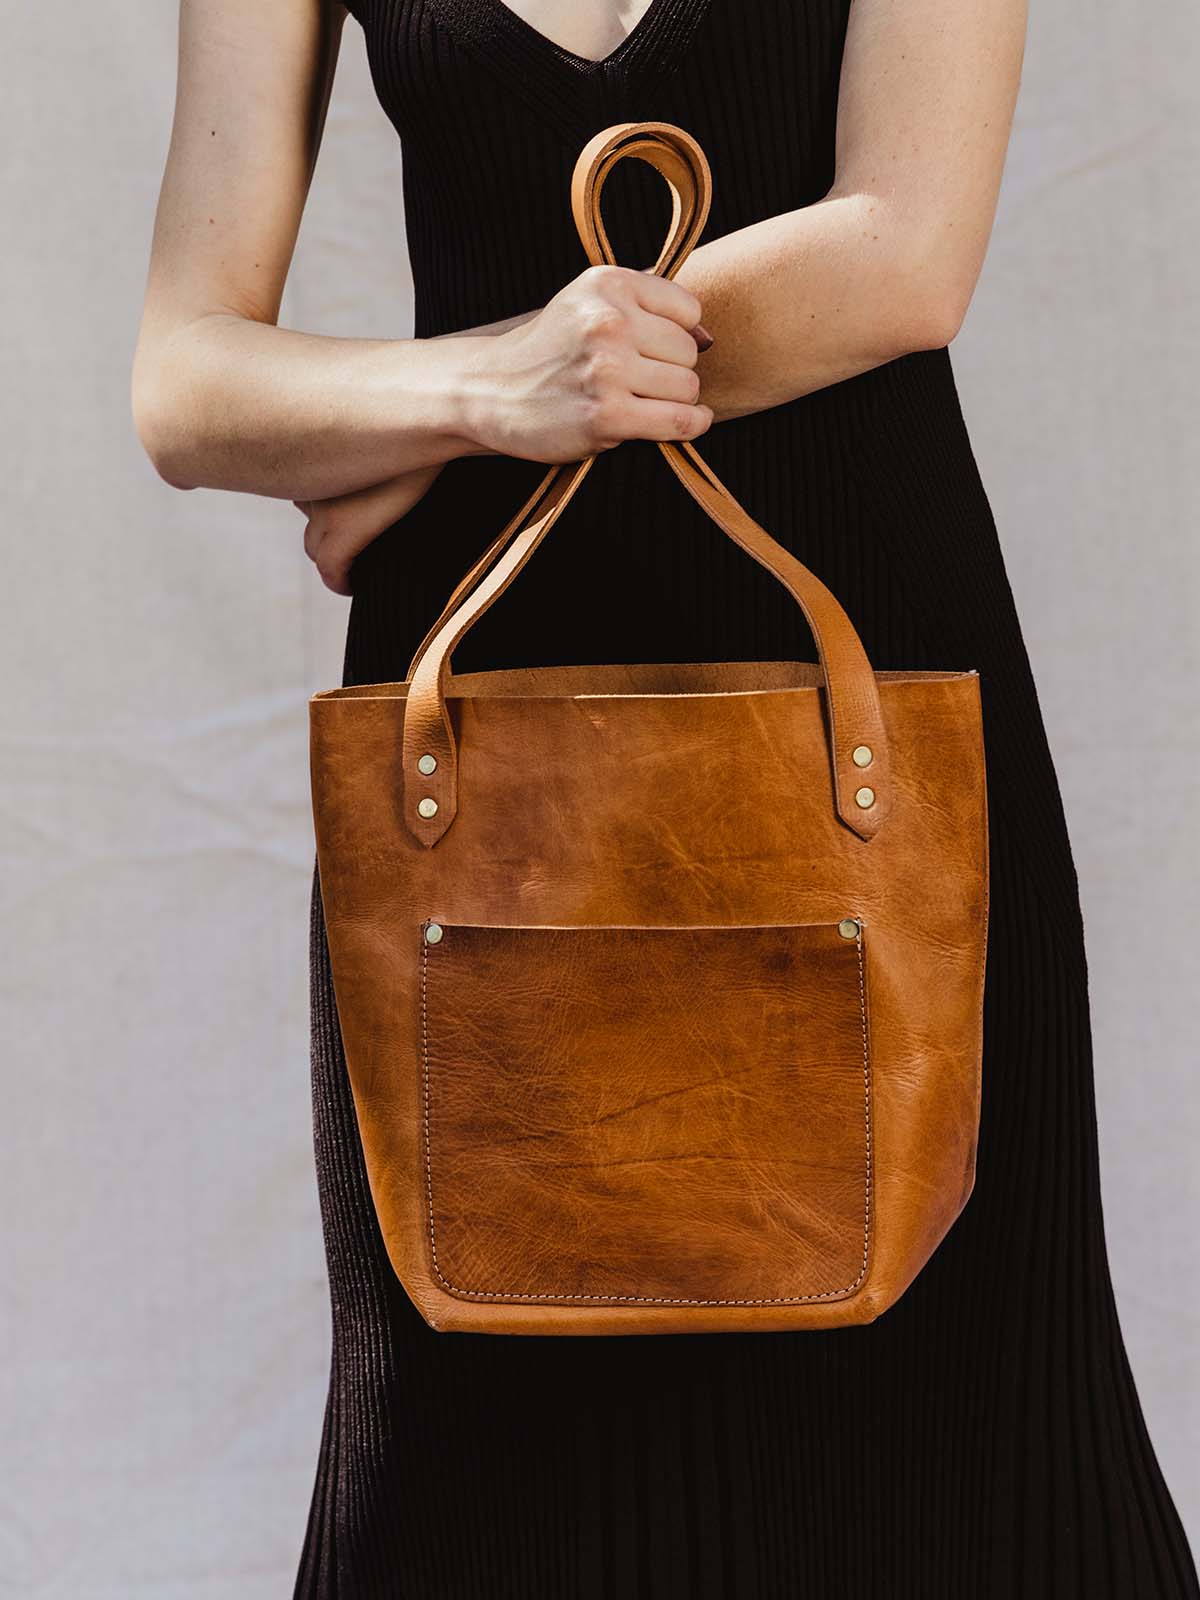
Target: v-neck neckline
[(513, 20), (498, 32)]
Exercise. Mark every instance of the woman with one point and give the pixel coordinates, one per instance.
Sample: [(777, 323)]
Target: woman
[(983, 1439)]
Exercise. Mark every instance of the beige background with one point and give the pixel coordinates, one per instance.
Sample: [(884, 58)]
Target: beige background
[(165, 1322)]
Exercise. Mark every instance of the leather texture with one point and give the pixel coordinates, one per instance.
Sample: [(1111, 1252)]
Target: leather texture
[(729, 1081), (695, 1042)]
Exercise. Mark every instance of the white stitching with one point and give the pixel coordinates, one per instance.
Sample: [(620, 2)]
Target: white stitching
[(862, 1009), (640, 1299)]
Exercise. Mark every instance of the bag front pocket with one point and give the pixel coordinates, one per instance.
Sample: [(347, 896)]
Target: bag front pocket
[(651, 1115)]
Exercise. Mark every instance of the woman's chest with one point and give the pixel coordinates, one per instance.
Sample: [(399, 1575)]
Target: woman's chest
[(591, 31)]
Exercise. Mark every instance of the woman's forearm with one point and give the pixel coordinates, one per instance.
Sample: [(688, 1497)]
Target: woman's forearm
[(228, 402), (810, 297), (887, 262), (883, 265), (794, 302)]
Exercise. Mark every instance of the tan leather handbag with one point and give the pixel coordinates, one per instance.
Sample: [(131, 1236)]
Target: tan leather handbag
[(661, 987)]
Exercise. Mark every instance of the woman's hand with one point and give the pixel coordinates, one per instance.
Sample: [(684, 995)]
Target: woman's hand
[(340, 529), (611, 357), (598, 338)]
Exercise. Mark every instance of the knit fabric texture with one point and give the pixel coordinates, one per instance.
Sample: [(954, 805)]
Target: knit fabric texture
[(983, 1440)]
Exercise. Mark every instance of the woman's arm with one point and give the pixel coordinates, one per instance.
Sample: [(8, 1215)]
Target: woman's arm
[(887, 262), (224, 398), (884, 265)]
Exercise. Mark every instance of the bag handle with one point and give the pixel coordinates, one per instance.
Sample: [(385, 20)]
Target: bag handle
[(854, 715), (683, 164)]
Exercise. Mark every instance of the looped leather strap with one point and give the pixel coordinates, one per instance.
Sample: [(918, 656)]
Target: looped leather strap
[(854, 716), (680, 160)]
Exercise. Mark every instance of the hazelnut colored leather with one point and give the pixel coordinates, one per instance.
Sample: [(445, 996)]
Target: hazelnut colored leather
[(649, 1077)]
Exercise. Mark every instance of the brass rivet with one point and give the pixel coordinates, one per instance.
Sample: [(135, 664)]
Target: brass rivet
[(848, 928), (865, 797), (427, 807), (433, 932), (427, 764), (862, 755)]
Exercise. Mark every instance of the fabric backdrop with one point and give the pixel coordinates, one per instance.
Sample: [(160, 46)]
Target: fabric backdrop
[(165, 1323)]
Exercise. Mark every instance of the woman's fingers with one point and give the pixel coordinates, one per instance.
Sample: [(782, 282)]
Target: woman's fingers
[(339, 530), (664, 380), (667, 419), (665, 298), (662, 386), (312, 529), (662, 339), (677, 305), (331, 553)]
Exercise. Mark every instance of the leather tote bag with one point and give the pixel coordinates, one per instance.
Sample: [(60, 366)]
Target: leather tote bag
[(661, 987)]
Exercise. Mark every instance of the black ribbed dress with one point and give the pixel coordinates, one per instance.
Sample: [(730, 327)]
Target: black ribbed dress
[(982, 1440)]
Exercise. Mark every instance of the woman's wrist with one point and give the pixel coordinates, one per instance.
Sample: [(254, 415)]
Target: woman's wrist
[(473, 365), (474, 391)]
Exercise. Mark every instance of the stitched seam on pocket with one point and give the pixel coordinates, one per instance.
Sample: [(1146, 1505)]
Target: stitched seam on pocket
[(640, 1299)]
